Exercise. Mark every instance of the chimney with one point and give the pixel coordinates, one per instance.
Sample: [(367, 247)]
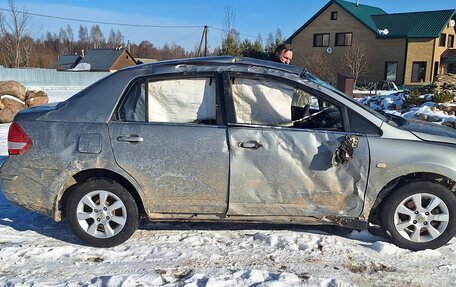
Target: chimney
[(357, 3), (82, 53), (128, 46)]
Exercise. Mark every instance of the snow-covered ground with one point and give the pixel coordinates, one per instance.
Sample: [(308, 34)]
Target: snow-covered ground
[(36, 251)]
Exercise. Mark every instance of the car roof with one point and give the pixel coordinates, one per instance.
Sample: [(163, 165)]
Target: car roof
[(224, 61), (96, 103)]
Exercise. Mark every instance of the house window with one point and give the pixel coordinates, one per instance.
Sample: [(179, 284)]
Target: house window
[(391, 71), (450, 41), (418, 72), (321, 40), (442, 40), (344, 39), (334, 15)]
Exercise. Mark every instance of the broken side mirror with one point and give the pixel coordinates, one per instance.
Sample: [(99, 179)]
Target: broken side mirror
[(344, 153)]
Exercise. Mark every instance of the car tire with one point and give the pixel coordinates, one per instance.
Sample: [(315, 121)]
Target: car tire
[(102, 212), (420, 215)]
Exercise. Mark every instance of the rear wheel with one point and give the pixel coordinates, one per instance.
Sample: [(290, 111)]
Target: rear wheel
[(420, 215), (102, 212)]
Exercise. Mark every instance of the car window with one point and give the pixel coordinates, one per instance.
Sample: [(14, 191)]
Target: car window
[(190, 100), (308, 76), (361, 125), (133, 108), (268, 102)]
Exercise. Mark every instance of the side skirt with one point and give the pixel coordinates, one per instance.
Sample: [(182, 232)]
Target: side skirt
[(354, 223)]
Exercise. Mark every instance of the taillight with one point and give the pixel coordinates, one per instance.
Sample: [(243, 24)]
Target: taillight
[(18, 141)]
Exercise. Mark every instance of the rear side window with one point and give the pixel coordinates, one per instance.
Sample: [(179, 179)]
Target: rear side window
[(133, 108), (190, 100), (182, 101)]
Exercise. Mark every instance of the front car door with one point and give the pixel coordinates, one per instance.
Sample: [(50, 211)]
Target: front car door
[(280, 167), (167, 133)]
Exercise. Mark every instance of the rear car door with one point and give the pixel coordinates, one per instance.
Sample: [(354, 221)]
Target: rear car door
[(168, 134), (280, 167)]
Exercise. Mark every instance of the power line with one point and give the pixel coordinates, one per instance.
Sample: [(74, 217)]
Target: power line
[(123, 24), (105, 23), (224, 30), (129, 24), (188, 36)]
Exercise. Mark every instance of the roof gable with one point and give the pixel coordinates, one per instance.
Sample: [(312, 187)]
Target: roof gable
[(66, 62), (427, 24), (360, 12), (102, 59)]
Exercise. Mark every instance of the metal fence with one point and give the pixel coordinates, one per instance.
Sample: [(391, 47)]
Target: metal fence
[(49, 77)]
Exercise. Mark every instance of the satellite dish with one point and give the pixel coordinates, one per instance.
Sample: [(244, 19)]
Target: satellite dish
[(329, 50), (452, 23)]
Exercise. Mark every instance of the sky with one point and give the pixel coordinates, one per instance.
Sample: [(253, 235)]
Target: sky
[(250, 17)]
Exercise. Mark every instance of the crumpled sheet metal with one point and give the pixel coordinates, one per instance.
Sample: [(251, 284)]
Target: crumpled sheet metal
[(291, 174)]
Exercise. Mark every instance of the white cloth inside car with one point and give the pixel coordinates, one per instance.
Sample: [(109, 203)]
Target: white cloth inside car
[(262, 102), (182, 100)]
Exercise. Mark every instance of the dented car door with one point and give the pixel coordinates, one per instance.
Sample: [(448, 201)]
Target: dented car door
[(290, 154)]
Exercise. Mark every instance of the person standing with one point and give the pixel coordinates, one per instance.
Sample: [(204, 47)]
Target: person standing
[(283, 54)]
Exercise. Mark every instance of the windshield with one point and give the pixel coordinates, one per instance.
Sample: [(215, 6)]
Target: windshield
[(308, 76)]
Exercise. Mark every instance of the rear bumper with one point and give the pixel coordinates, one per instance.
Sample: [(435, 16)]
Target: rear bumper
[(29, 188)]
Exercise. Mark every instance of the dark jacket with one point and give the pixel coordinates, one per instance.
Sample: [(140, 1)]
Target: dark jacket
[(274, 58)]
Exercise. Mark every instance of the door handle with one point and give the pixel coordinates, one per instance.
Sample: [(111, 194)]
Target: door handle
[(250, 145), (130, 138)]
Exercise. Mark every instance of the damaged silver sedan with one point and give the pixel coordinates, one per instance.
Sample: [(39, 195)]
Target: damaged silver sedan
[(229, 139)]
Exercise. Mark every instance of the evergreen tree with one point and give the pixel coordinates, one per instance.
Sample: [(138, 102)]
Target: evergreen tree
[(231, 44)]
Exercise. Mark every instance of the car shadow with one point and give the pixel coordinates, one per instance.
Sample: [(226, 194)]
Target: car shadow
[(238, 226), (23, 220)]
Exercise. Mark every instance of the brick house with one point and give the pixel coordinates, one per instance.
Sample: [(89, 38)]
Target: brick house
[(404, 47)]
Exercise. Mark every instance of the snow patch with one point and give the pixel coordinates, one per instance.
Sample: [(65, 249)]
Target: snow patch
[(388, 248)]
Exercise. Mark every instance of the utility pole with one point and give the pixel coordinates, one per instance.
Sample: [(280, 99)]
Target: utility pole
[(203, 38), (205, 41)]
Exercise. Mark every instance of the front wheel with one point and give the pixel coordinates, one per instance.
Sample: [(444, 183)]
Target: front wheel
[(102, 212), (420, 215)]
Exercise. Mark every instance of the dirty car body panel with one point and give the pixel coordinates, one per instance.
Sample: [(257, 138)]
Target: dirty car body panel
[(220, 138), (292, 174)]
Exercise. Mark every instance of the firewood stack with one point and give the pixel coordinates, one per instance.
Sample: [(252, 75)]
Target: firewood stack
[(14, 97)]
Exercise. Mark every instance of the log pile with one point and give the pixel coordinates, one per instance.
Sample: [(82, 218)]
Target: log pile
[(14, 97)]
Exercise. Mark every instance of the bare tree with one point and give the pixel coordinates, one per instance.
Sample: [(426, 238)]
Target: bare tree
[(120, 39), (356, 60), (84, 39), (14, 29), (318, 64), (70, 36), (115, 39), (63, 42), (96, 36), (229, 22), (230, 36)]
